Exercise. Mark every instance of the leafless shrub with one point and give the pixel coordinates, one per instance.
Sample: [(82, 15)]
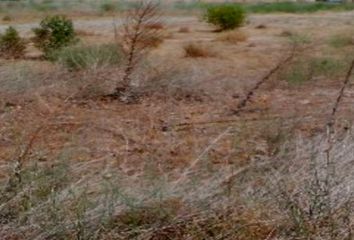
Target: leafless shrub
[(140, 32), (314, 193)]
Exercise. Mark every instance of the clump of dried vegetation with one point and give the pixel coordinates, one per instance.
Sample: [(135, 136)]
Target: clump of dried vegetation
[(233, 37), (184, 30), (196, 50)]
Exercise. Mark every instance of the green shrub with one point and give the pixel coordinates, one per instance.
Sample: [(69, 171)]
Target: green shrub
[(108, 7), (54, 33), (83, 57), (225, 16), (11, 44)]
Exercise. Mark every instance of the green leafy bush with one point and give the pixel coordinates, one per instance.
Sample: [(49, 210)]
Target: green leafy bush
[(108, 7), (225, 16), (54, 33), (11, 44), (83, 57)]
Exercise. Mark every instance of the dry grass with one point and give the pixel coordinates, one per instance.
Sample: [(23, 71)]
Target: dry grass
[(155, 26), (195, 50), (84, 33), (184, 30), (74, 165), (7, 18), (281, 197), (233, 37)]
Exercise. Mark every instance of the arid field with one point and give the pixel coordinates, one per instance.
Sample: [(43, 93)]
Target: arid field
[(244, 134)]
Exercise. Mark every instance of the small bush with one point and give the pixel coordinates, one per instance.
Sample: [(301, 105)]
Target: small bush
[(11, 44), (194, 50), (108, 7), (225, 16), (54, 33), (83, 57), (7, 18)]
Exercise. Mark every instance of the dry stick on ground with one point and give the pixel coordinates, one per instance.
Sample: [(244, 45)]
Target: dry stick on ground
[(22, 157), (16, 178), (339, 98), (330, 125), (201, 156), (240, 107), (136, 38), (332, 118)]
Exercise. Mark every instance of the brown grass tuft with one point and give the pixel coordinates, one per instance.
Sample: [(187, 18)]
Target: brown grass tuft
[(261, 26), (184, 30), (153, 41), (155, 26), (7, 18), (84, 33), (232, 37), (194, 50)]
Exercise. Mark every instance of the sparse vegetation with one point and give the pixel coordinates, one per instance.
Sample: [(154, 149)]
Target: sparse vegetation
[(11, 44), (297, 38), (297, 7), (306, 69), (138, 133), (84, 57), (226, 16), (342, 40), (54, 33), (233, 37)]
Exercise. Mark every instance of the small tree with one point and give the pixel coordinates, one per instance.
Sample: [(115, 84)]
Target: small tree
[(225, 16), (54, 33), (11, 44), (137, 38)]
